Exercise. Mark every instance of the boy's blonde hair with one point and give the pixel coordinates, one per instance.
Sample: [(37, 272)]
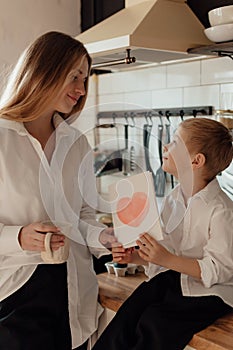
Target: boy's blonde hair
[(213, 140)]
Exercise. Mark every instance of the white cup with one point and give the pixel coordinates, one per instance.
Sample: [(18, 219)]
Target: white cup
[(60, 255)]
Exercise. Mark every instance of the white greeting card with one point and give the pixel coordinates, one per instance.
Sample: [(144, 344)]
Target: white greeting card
[(134, 208)]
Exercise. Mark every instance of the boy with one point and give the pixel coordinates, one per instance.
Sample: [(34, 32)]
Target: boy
[(191, 269)]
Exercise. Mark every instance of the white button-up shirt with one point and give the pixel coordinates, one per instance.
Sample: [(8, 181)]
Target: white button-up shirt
[(202, 230), (31, 189)]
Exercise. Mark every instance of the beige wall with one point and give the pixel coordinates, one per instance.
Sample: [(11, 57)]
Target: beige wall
[(21, 21)]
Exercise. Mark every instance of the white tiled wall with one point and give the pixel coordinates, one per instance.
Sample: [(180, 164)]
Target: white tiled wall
[(172, 85), (195, 83), (175, 85), (201, 95), (214, 72), (178, 75)]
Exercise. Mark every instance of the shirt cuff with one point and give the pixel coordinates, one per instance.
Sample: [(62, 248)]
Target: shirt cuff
[(93, 238), (9, 240), (208, 273)]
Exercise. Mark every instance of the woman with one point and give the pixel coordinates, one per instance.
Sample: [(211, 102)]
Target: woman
[(46, 173)]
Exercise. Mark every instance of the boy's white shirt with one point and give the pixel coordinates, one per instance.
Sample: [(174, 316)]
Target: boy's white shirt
[(21, 204), (201, 230)]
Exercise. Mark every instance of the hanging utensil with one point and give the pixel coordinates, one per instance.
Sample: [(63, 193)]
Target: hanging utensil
[(125, 152), (147, 128), (168, 140), (146, 140), (160, 180), (132, 148)]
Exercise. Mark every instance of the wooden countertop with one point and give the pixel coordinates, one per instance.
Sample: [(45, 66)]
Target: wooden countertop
[(113, 291)]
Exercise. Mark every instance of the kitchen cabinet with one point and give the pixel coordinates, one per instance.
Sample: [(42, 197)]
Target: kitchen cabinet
[(202, 7), (95, 11)]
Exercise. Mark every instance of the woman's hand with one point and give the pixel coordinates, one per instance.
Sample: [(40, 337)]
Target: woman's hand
[(151, 251), (31, 237), (122, 255), (107, 237)]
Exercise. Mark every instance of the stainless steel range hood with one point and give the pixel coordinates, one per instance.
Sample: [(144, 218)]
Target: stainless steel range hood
[(156, 31)]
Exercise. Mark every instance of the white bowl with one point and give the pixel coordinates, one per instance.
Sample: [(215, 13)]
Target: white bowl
[(110, 267), (120, 271), (221, 15), (217, 34)]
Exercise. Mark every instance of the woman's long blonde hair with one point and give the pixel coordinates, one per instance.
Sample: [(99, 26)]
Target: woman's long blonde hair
[(39, 76)]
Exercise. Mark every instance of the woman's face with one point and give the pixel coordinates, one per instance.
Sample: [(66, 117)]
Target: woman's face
[(176, 157), (73, 88)]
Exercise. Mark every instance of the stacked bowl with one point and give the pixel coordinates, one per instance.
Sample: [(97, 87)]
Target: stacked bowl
[(221, 21)]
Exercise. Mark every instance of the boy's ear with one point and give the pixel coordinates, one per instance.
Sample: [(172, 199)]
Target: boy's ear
[(199, 160)]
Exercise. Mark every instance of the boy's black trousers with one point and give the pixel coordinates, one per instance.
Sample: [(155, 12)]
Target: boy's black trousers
[(158, 317)]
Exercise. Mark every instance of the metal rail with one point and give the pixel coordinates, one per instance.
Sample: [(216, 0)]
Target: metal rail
[(127, 60), (154, 112)]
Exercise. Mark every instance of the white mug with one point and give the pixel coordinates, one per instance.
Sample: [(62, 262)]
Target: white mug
[(60, 255)]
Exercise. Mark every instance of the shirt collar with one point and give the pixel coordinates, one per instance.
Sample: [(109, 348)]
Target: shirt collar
[(19, 127), (209, 192), (206, 194), (13, 125), (179, 196), (61, 126)]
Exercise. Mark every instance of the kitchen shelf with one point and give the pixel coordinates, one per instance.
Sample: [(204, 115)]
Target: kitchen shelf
[(219, 49)]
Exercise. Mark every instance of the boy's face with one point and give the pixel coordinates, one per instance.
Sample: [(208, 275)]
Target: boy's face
[(176, 157)]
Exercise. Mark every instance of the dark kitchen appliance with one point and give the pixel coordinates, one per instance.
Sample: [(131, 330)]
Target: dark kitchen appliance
[(107, 162)]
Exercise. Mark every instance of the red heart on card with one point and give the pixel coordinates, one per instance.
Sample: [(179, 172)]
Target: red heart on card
[(132, 211)]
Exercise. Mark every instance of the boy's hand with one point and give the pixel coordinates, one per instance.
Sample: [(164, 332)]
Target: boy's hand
[(121, 255), (151, 251)]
